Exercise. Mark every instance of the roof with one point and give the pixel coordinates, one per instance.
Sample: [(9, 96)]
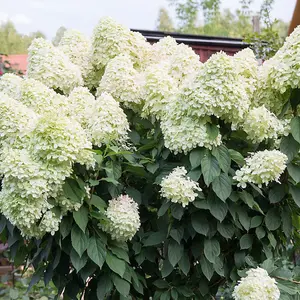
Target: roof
[(17, 61), (192, 39)]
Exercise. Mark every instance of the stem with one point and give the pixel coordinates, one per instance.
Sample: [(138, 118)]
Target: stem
[(285, 279)]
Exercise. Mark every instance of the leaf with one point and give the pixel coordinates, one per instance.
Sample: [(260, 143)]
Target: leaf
[(155, 238), (165, 295), (134, 136), (184, 263), (79, 240), (295, 128), (272, 219), (115, 264), (134, 194), (246, 241), (277, 193), (104, 286), (167, 268), (72, 191), (249, 200), (96, 251), (260, 232), (217, 208), (177, 234), (163, 209), (236, 157), (289, 147), (219, 266), (110, 180), (244, 219), (200, 223), (77, 261), (207, 268), (177, 211), (226, 230), (195, 174), (212, 131), (256, 221), (287, 225), (152, 168), (195, 157), (120, 252), (98, 202), (295, 192), (210, 168), (161, 284), (294, 172), (211, 249), (66, 226), (222, 155), (122, 286), (81, 217), (175, 252), (222, 186)]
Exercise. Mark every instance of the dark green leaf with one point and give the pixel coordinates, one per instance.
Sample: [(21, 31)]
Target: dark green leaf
[(277, 193), (207, 268), (212, 131), (200, 223), (222, 186), (152, 168), (77, 261), (256, 221), (163, 209), (244, 218), (219, 266), (237, 157), (134, 194), (196, 156), (175, 252), (222, 155), (96, 251), (115, 264), (289, 146), (66, 226), (295, 192), (226, 230), (120, 252), (246, 241), (210, 168), (177, 234), (161, 284), (122, 286), (167, 268), (79, 240), (184, 263), (211, 249), (287, 225), (260, 232), (273, 220), (165, 295), (272, 239), (294, 172), (177, 211), (155, 238), (104, 286), (295, 128), (249, 200), (81, 217), (98, 202), (195, 174), (72, 191), (218, 208)]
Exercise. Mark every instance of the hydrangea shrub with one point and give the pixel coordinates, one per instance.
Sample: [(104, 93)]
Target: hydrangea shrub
[(134, 171)]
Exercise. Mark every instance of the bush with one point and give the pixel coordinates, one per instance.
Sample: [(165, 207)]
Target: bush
[(140, 173)]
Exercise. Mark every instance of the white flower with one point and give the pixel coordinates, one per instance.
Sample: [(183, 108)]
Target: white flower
[(261, 168), (256, 285), (123, 218), (178, 188), (52, 67), (10, 85)]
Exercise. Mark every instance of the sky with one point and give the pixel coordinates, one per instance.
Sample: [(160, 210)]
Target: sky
[(48, 15)]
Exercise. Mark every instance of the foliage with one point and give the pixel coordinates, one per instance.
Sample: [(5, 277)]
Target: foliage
[(164, 21), (58, 36), (12, 42), (161, 121)]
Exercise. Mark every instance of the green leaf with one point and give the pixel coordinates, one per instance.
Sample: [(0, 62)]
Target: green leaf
[(222, 155), (134, 194), (272, 239), (226, 230), (104, 286), (212, 131), (294, 172), (96, 251), (207, 268), (289, 147), (277, 193), (72, 191), (152, 168), (222, 186), (177, 234), (98, 202), (110, 180), (295, 128), (287, 225), (195, 174), (81, 217), (272, 219), (77, 261), (249, 200), (219, 266), (184, 263), (256, 221), (134, 136), (120, 252), (13, 294), (246, 241), (174, 294), (167, 268), (196, 156), (211, 249), (175, 252), (165, 295), (177, 211), (155, 238), (122, 286), (66, 226), (161, 284), (217, 208), (236, 157), (163, 209), (295, 192), (115, 264), (200, 223), (79, 240), (244, 218), (210, 168), (260, 232)]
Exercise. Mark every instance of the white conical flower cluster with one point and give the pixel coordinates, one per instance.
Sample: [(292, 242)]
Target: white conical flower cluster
[(256, 285), (123, 220), (178, 188), (261, 168)]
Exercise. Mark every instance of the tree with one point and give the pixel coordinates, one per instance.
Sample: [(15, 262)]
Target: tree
[(58, 36), (164, 21), (12, 42)]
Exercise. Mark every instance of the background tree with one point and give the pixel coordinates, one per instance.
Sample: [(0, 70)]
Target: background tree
[(164, 21), (58, 36), (12, 42)]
